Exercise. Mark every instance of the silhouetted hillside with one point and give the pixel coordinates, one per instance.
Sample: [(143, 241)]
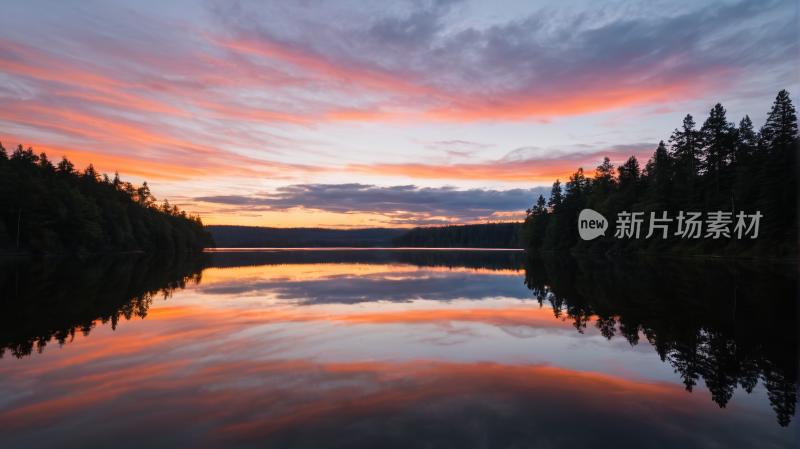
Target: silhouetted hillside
[(263, 237), (487, 235)]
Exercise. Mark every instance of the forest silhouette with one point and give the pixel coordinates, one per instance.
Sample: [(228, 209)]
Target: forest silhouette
[(719, 166), (56, 209)]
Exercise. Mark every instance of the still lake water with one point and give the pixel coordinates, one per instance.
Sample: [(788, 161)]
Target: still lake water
[(396, 348)]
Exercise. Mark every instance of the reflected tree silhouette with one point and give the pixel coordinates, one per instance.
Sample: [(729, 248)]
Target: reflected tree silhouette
[(727, 323), (46, 299)]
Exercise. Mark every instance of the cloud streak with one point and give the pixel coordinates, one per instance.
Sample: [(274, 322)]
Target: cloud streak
[(406, 204)]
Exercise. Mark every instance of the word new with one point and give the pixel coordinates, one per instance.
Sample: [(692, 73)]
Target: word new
[(591, 225), (690, 225)]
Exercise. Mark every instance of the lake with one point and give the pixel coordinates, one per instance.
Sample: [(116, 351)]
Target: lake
[(396, 348)]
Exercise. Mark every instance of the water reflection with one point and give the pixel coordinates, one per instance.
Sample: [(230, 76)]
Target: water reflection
[(397, 348), (53, 298), (728, 323)]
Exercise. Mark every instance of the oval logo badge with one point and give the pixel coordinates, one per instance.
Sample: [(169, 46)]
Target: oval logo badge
[(591, 224)]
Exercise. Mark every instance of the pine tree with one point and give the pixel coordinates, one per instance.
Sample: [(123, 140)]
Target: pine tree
[(91, 173), (747, 140), (45, 163), (629, 173), (718, 136), (781, 126), (779, 134), (659, 168), (541, 206), (65, 166), (604, 175), (577, 184), (556, 195), (686, 150)]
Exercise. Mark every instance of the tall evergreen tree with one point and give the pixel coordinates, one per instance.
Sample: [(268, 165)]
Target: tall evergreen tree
[(781, 126), (65, 167), (747, 139), (718, 137), (577, 184), (556, 195), (778, 136), (604, 177), (686, 145), (659, 168), (45, 163), (629, 174)]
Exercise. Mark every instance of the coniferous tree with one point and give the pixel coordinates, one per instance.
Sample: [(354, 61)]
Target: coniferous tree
[(578, 184), (24, 156), (686, 145), (660, 166), (781, 126), (65, 167), (629, 174), (718, 138), (45, 163), (779, 134), (604, 178), (747, 139), (556, 195)]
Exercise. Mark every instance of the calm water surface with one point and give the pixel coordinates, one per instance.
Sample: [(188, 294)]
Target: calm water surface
[(392, 348)]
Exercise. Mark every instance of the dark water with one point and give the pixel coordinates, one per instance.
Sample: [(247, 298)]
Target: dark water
[(382, 348)]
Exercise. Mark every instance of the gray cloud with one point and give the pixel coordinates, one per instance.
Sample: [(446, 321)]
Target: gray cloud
[(604, 49), (406, 202)]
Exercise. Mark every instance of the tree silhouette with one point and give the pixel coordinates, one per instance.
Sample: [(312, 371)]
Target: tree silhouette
[(686, 145), (718, 137)]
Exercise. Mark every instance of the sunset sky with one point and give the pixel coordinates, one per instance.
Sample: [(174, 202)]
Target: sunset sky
[(366, 114)]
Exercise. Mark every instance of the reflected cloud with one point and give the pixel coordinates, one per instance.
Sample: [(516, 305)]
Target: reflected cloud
[(364, 404)]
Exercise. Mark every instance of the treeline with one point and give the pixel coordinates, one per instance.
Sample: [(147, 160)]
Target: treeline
[(488, 235), (720, 323), (54, 208), (719, 166), (229, 236)]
